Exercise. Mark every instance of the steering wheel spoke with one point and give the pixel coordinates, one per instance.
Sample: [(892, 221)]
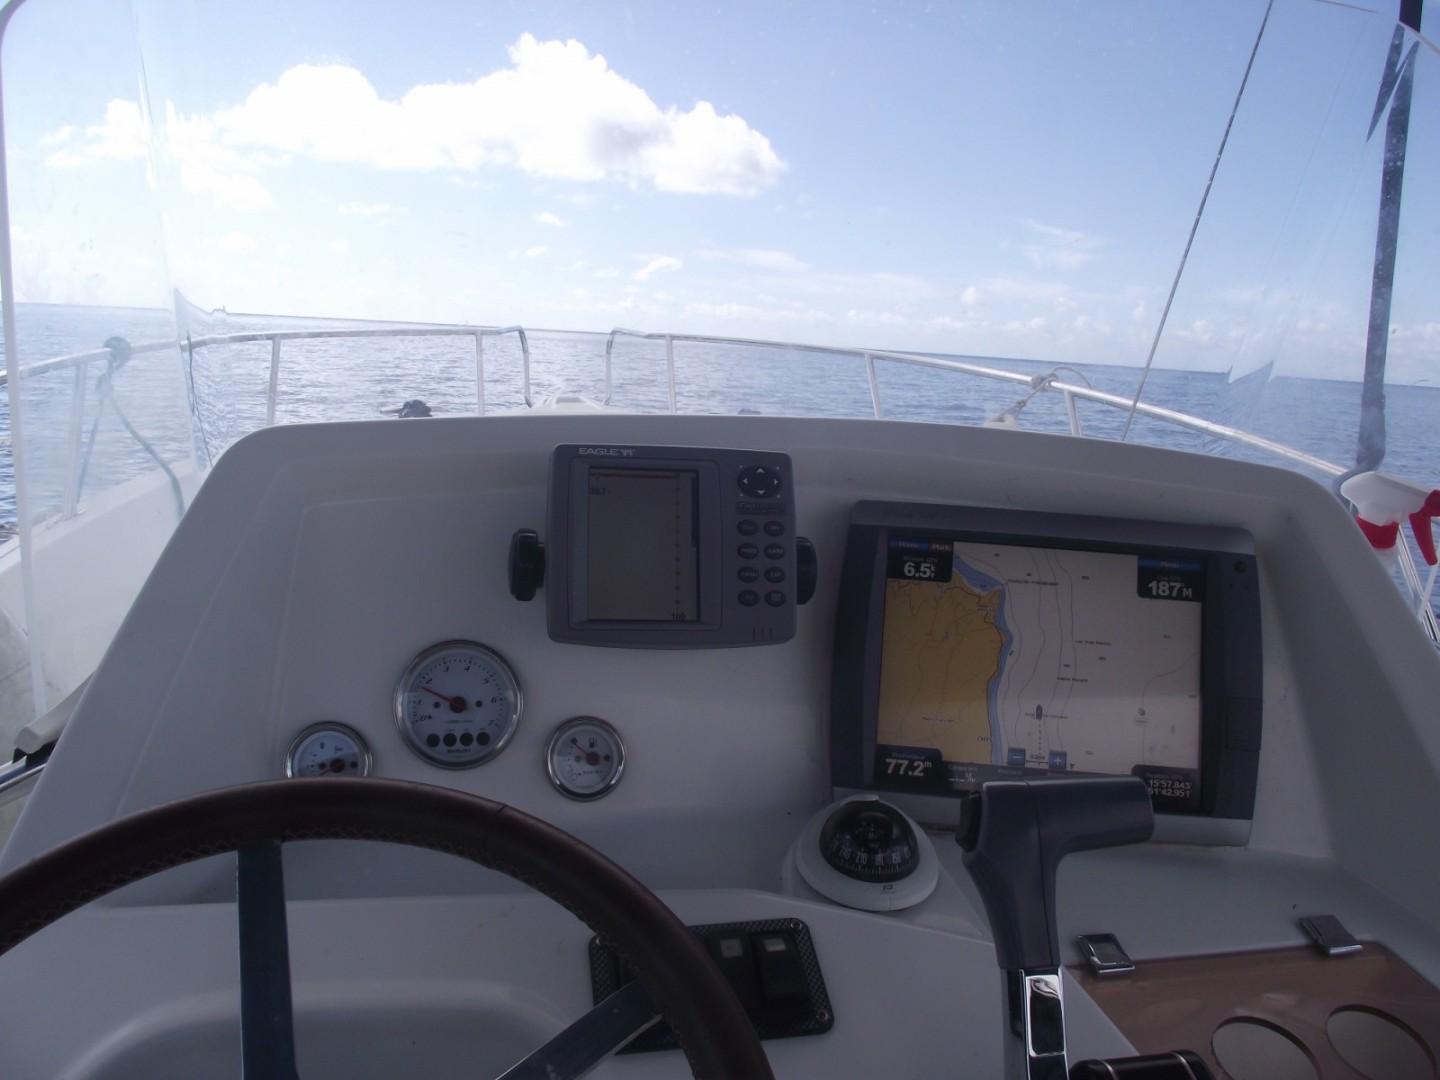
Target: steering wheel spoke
[(591, 1039), (669, 962), (267, 1018)]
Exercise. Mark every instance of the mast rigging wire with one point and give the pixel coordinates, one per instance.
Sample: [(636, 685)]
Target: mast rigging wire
[(1195, 225)]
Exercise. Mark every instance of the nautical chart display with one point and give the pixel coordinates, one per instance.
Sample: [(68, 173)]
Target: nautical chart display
[(976, 644), (1042, 658)]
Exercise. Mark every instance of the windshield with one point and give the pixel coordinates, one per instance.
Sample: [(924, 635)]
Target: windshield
[(1172, 204)]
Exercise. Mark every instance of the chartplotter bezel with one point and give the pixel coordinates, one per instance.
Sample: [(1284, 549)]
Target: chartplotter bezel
[(670, 547), (1208, 565)]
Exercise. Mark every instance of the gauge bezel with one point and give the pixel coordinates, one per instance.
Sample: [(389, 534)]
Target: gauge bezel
[(608, 729), (367, 760), (403, 689)]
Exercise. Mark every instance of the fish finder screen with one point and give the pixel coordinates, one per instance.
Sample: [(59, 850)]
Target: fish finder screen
[(642, 545), (998, 660)]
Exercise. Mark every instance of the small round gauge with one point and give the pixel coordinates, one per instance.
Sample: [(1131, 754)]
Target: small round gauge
[(457, 704), (585, 758), (328, 749)]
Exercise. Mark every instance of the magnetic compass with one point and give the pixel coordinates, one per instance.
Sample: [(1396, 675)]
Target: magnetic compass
[(869, 840), (864, 853)]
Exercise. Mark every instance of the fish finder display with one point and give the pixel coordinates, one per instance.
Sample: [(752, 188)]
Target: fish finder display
[(643, 545), (672, 547), (976, 644), (997, 658)]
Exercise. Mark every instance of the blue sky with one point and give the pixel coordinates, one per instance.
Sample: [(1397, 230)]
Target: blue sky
[(1007, 178)]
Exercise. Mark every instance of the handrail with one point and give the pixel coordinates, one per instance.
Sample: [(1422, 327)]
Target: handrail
[(1069, 391), (1048, 381), (242, 337), (18, 777)]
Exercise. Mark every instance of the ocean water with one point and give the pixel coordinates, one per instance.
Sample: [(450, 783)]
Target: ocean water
[(142, 410)]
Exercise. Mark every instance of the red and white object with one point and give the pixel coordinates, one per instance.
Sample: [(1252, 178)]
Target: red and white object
[(1383, 501)]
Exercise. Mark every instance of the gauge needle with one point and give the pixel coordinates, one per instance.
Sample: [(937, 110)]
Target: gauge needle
[(457, 704), (591, 758)]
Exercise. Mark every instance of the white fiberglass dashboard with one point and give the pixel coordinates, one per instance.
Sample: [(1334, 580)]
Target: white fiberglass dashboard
[(320, 563)]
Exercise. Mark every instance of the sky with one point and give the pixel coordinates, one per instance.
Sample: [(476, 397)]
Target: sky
[(1010, 178)]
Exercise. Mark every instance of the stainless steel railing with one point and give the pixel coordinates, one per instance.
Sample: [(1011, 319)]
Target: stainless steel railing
[(80, 363), (1070, 392), (1048, 382), (277, 337)]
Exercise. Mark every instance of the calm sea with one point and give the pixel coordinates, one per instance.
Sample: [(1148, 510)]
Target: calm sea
[(143, 407)]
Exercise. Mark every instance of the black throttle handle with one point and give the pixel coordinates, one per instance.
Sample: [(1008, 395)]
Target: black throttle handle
[(1014, 834)]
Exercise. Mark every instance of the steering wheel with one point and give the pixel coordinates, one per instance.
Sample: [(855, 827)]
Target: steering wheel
[(669, 962)]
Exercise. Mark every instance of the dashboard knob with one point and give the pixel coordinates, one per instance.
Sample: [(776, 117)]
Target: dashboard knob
[(806, 570), (527, 564)]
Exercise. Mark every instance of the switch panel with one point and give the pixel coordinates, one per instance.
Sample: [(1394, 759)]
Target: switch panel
[(771, 965)]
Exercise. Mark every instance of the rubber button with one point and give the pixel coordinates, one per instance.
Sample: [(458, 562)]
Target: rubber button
[(747, 551), (775, 598), (774, 551), (749, 573), (774, 575), (759, 481), (774, 528), (748, 527), (749, 598)]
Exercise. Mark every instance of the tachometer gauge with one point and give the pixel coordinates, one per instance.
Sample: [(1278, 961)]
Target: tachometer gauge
[(585, 758), (328, 749), (457, 704)]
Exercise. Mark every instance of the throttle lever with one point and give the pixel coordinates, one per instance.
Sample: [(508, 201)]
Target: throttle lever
[(1014, 834)]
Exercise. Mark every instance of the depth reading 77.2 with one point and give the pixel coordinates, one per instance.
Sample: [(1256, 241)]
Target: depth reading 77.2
[(906, 767)]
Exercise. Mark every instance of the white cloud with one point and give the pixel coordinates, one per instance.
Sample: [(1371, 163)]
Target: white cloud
[(547, 218), (340, 247), (750, 313), (208, 166), (764, 258), (534, 252), (950, 324), (556, 111), (356, 209), (895, 288), (121, 137), (238, 241), (971, 296), (1201, 330), (1425, 333), (655, 265), (1065, 249), (701, 152), (885, 318)]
